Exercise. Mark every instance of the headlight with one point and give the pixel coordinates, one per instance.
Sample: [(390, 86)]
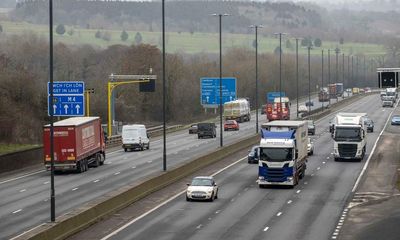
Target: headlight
[(209, 192), (290, 178), (261, 178)]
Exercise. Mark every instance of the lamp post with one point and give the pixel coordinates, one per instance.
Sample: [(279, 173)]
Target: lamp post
[(343, 70), (164, 90), (220, 75), (280, 71), (52, 191), (322, 78), (352, 70), (309, 77), (297, 76), (256, 27), (329, 75), (337, 51)]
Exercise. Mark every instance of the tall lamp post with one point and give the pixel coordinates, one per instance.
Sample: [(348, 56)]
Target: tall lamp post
[(309, 77), (297, 76), (337, 51), (329, 75), (322, 77), (52, 191), (280, 71), (164, 90), (220, 75), (343, 71), (256, 27)]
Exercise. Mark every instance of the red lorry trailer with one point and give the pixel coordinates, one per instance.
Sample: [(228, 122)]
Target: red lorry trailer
[(78, 144)]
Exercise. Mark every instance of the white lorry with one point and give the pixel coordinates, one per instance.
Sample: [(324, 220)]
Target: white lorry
[(238, 110), (392, 94), (282, 153), (350, 136)]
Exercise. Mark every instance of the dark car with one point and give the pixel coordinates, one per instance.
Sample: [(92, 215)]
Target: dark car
[(252, 157), (193, 129), (369, 124), (396, 120), (206, 130), (309, 103), (311, 127)]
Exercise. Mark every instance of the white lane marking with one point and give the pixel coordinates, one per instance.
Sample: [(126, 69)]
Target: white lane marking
[(305, 183), (133, 167), (289, 202), (312, 174), (218, 211), (97, 180), (198, 227), (16, 237), (23, 190), (26, 175), (164, 203), (125, 158), (298, 191), (327, 157), (46, 182), (372, 151), (117, 173), (17, 211), (278, 214), (74, 189), (323, 162), (266, 229), (232, 200), (150, 161), (318, 168)]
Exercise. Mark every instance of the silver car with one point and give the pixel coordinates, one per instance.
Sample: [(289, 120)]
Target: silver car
[(202, 188)]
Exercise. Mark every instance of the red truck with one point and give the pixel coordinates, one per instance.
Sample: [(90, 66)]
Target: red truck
[(78, 144)]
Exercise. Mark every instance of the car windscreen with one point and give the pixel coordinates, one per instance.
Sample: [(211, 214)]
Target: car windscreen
[(276, 154), (204, 126), (347, 134), (201, 182)]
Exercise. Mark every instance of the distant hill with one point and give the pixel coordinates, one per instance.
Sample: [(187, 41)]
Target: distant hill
[(300, 20)]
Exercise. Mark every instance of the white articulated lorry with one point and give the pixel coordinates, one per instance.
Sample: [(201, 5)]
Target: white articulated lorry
[(282, 153), (238, 110), (350, 136)]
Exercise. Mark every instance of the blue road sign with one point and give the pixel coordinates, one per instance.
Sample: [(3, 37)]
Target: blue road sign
[(66, 88), (209, 88), (67, 105), (68, 99)]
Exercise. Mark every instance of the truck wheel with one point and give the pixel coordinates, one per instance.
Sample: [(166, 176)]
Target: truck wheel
[(125, 149), (80, 167), (103, 159), (86, 165), (142, 148), (97, 161), (148, 146)]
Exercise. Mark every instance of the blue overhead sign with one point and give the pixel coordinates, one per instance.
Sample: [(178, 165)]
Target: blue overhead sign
[(68, 99), (210, 94)]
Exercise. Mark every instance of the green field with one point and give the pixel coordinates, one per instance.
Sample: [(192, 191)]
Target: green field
[(185, 42), (9, 148)]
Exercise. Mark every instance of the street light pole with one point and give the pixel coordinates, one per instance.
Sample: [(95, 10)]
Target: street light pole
[(297, 76), (337, 50), (309, 78), (329, 76), (280, 72), (256, 43), (220, 77), (52, 194), (322, 78), (164, 90), (343, 72)]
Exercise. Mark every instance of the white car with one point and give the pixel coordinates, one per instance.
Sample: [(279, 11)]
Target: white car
[(310, 147), (303, 108), (202, 188)]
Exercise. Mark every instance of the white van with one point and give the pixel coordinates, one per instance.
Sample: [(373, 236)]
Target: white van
[(135, 137)]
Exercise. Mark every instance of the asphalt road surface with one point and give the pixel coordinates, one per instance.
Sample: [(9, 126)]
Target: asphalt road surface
[(244, 211), (24, 201)]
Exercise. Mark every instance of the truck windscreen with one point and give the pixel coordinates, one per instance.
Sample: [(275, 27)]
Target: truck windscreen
[(276, 154), (347, 134)]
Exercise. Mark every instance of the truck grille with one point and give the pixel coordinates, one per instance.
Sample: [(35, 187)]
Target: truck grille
[(347, 150), (276, 174)]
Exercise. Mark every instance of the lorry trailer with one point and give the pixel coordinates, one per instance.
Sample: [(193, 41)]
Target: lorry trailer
[(78, 144)]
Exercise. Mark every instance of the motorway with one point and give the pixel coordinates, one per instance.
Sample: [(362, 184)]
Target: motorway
[(243, 211), (25, 198)]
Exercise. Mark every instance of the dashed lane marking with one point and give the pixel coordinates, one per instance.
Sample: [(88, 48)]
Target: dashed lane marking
[(266, 229), (17, 211)]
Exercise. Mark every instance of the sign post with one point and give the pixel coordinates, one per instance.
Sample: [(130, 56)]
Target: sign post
[(209, 91), (68, 99)]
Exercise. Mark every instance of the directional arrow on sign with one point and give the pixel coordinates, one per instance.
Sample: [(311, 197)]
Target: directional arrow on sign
[(54, 109), (66, 109), (77, 108)]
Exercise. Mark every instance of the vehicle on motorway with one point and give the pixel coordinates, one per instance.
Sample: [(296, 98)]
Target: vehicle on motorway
[(335, 90), (350, 136), (309, 104), (382, 94), (193, 129), (332, 125), (392, 94), (349, 90), (283, 153), (135, 137), (387, 101), (367, 90), (252, 157), (395, 120), (356, 90), (264, 109), (310, 147), (311, 127), (276, 112), (78, 144), (206, 130), (369, 124), (238, 110), (202, 188), (323, 95), (231, 125), (303, 109)]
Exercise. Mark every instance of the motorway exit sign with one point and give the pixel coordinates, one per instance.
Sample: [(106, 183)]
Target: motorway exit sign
[(210, 87), (68, 99)]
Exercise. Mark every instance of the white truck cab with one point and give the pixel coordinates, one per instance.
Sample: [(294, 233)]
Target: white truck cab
[(135, 137)]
